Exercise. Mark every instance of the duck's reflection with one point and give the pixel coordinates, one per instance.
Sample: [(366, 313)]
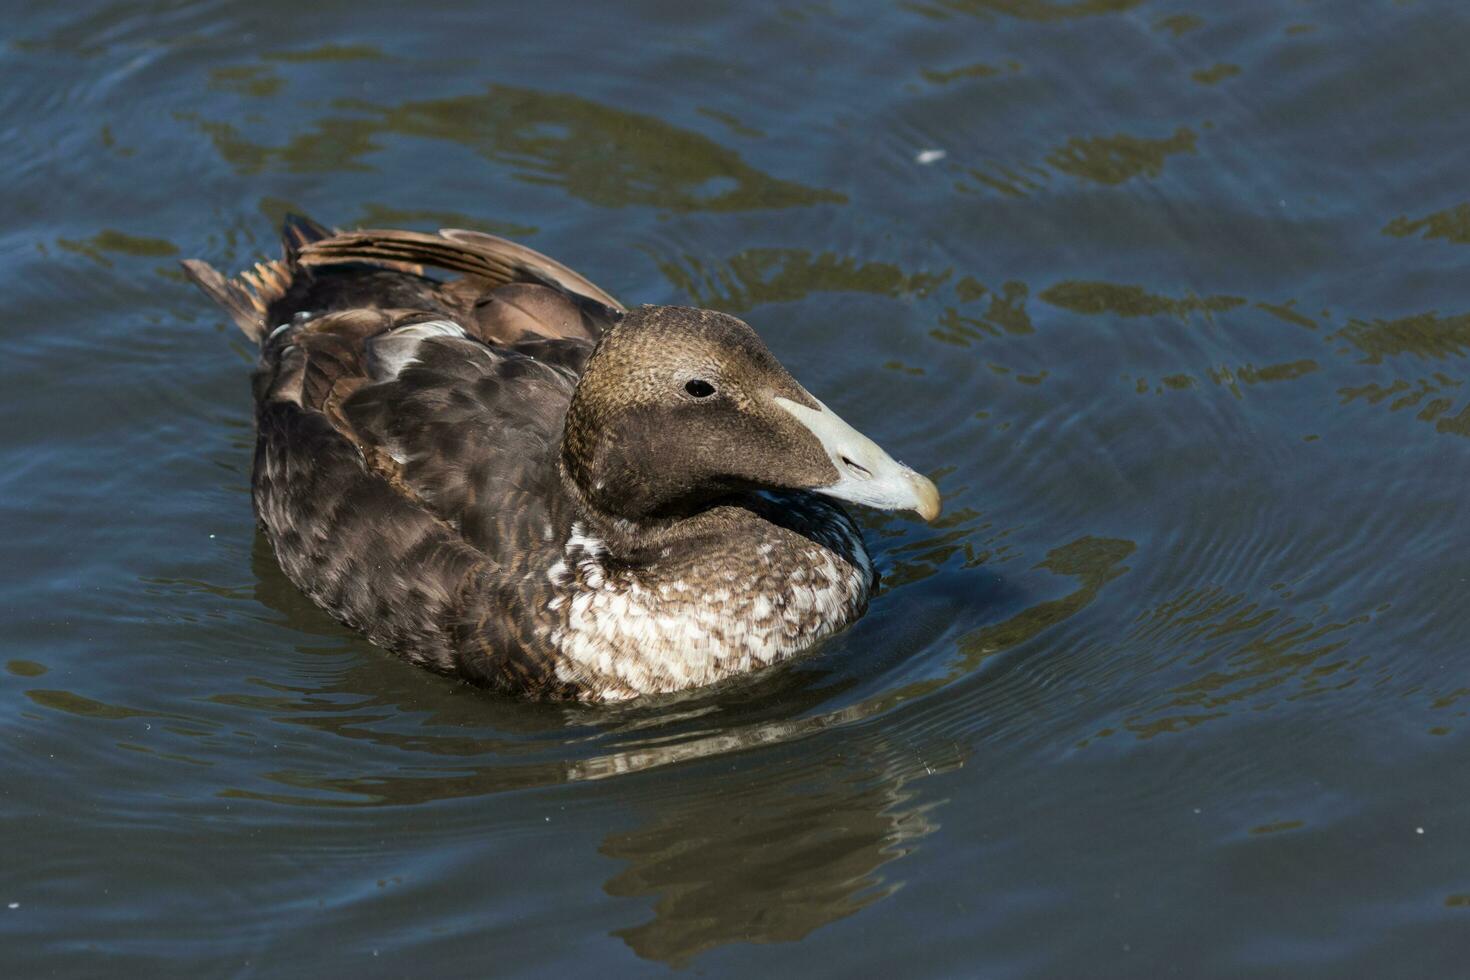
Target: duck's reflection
[(773, 855)]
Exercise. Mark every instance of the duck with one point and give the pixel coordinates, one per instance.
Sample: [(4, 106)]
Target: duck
[(490, 467)]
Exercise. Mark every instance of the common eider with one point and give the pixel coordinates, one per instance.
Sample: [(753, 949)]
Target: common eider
[(508, 477)]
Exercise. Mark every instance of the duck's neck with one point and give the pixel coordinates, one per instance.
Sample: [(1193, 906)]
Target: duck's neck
[(629, 540)]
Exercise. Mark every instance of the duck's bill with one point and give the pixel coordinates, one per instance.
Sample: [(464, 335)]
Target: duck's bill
[(866, 474)]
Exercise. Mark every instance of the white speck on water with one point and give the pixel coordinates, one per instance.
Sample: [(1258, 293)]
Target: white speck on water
[(13, 905), (926, 157), (1418, 830), (211, 535)]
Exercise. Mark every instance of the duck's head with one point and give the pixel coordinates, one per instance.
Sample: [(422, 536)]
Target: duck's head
[(679, 407)]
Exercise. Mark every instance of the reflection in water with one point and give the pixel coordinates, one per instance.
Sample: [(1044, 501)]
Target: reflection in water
[(1107, 160), (980, 70), (1249, 374), (1093, 562), (256, 81), (1287, 311), (774, 855), (1036, 10), (373, 214), (1402, 394), (85, 707), (954, 534), (1229, 378), (119, 243), (329, 52), (777, 275), (1425, 335), (1451, 224), (731, 122), (1179, 24), (376, 215), (603, 155), (1215, 74), (1119, 300), (1006, 314), (1251, 654), (1114, 159)]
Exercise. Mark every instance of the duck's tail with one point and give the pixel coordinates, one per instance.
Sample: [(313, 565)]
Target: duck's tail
[(248, 297)]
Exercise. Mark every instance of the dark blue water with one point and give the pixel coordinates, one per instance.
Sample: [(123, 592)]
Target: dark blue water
[(1170, 299)]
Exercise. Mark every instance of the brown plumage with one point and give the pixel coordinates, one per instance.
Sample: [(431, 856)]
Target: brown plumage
[(508, 477)]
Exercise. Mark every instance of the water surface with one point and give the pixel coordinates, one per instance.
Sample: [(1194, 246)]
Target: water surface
[(1170, 298)]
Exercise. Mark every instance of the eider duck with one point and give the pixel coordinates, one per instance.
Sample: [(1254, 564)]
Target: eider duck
[(508, 477)]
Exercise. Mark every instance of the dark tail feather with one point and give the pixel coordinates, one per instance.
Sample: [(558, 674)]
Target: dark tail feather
[(248, 297), (298, 231)]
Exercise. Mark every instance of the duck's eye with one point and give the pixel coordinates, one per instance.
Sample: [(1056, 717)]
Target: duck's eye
[(699, 388)]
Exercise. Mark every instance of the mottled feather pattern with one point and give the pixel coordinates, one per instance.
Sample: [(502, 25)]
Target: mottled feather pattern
[(409, 478)]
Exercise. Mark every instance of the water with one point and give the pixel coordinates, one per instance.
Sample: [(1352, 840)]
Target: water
[(1178, 321)]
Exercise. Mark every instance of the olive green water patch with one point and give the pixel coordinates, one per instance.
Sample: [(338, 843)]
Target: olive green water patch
[(375, 215), (1286, 371), (1231, 378), (1044, 11), (1107, 160), (85, 707), (1092, 561), (731, 122), (1006, 314), (1248, 652), (1115, 159), (1451, 224), (610, 157), (962, 535), (777, 275), (256, 81), (1287, 311), (1170, 382), (1215, 74), (1431, 398), (1425, 335), (1179, 24), (1080, 296), (110, 240), (978, 70), (329, 52)]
